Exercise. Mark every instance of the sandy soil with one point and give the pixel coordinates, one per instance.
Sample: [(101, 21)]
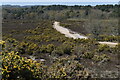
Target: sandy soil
[(75, 35), (111, 44), (67, 32)]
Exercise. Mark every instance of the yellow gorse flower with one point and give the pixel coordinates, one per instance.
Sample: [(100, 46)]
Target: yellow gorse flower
[(6, 67), (2, 42), (15, 67), (18, 63)]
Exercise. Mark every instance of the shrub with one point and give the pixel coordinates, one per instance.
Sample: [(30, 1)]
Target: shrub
[(65, 48), (67, 68), (50, 48), (103, 47), (27, 47), (2, 44), (16, 67), (58, 51), (47, 48), (88, 55), (10, 44), (98, 58)]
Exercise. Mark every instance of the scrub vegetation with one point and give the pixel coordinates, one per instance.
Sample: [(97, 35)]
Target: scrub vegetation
[(33, 50)]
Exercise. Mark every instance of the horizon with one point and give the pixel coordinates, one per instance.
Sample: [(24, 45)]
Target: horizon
[(57, 3)]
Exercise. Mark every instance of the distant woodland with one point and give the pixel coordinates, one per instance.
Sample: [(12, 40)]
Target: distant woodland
[(60, 12)]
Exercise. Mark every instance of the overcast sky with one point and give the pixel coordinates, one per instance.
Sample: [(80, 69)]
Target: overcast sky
[(59, 0)]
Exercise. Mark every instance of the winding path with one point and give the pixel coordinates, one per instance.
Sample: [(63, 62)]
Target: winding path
[(75, 35), (67, 32)]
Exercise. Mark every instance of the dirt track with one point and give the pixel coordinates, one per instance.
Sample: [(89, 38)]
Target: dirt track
[(75, 35), (67, 31)]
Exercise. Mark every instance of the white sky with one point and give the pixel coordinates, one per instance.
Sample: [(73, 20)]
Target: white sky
[(59, 0)]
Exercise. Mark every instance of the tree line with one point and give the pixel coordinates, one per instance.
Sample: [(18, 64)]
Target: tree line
[(57, 12)]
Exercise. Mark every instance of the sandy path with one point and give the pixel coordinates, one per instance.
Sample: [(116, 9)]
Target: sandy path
[(75, 35), (66, 31), (111, 44)]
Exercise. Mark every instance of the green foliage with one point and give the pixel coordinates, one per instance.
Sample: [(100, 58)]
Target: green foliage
[(2, 44), (65, 48), (56, 12), (103, 47), (85, 49), (16, 67), (47, 48), (67, 68), (98, 58), (50, 48), (58, 51), (44, 42), (27, 47), (99, 29), (10, 44), (88, 55), (108, 38), (45, 35)]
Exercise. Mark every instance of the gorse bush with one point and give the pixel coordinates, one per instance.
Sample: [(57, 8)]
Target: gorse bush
[(98, 58), (67, 68), (88, 55), (2, 44), (16, 67), (103, 47), (52, 55), (63, 49), (108, 38), (27, 47), (47, 48)]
